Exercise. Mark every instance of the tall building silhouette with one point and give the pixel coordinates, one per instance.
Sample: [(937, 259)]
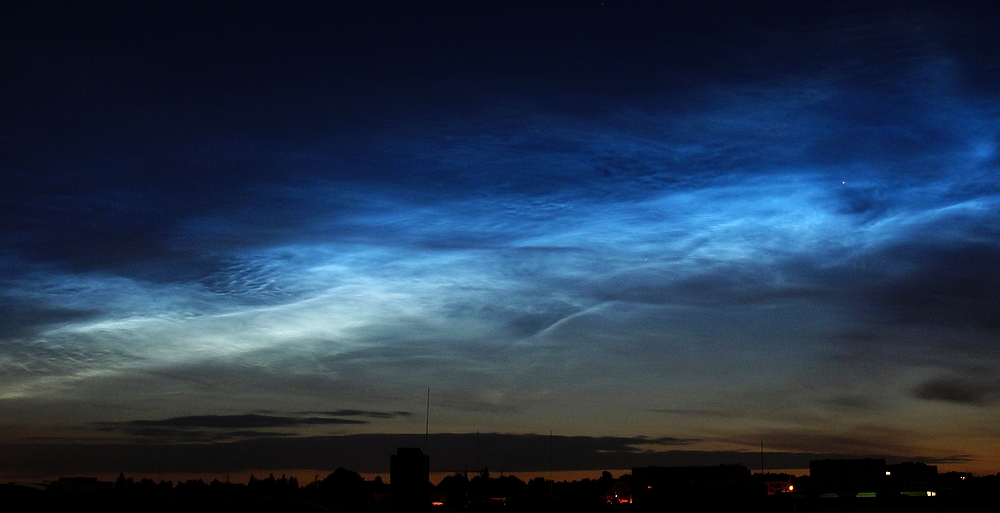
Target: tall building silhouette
[(409, 475)]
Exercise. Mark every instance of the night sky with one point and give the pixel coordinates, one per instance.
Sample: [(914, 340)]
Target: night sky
[(660, 231)]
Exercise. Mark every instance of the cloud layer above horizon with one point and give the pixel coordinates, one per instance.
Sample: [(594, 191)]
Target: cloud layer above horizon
[(779, 223)]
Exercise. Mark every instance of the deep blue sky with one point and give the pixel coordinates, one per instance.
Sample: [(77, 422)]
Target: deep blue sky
[(678, 226)]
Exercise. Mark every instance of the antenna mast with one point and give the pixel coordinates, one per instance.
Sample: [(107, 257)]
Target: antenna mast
[(427, 420)]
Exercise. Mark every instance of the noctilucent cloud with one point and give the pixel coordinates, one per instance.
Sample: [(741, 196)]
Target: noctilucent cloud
[(680, 228)]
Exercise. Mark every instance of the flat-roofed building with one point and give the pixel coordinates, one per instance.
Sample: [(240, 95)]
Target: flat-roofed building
[(847, 477), (409, 475)]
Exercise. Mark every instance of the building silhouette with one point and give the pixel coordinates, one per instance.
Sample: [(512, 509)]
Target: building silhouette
[(409, 478), (847, 478), (656, 486)]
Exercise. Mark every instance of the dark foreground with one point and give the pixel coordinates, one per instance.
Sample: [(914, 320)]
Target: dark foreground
[(33, 498)]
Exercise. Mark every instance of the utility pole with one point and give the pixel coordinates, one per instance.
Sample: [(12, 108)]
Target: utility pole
[(551, 482)]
